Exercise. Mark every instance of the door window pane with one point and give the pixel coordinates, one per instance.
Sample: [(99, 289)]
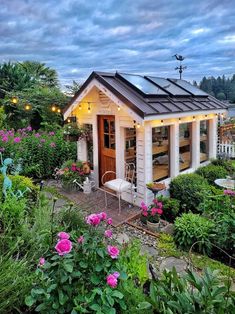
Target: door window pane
[(112, 141), (106, 126), (112, 127), (204, 140), (160, 151), (185, 146), (106, 140), (130, 148)]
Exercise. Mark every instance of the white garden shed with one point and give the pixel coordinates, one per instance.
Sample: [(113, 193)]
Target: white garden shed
[(164, 126)]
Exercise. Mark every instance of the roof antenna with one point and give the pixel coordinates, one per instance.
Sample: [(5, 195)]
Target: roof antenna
[(181, 68)]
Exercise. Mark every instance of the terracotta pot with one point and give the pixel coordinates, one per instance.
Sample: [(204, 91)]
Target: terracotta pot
[(153, 226)]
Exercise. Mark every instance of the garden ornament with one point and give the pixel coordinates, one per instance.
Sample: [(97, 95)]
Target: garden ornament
[(87, 185), (7, 183)]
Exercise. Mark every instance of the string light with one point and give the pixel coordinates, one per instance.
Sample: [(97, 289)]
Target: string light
[(80, 107), (59, 110), (89, 108), (119, 108), (179, 120), (27, 107), (134, 124), (53, 108), (69, 120), (138, 126), (161, 122), (14, 100), (205, 115), (194, 118)]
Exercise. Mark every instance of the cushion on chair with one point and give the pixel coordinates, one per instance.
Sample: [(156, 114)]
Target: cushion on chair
[(118, 185)]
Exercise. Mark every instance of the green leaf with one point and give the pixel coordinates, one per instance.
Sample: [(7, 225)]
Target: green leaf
[(117, 294), (100, 252), (95, 307), (144, 306), (68, 267), (98, 268), (38, 291), (83, 264), (52, 287), (29, 301), (123, 275), (95, 279)]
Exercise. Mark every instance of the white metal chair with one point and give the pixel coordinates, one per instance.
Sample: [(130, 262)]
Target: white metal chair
[(118, 185)]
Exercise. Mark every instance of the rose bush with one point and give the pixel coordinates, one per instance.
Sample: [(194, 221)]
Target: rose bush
[(81, 274)]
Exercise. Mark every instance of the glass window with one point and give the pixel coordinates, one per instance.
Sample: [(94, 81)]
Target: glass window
[(189, 87), (89, 140), (161, 153), (130, 147), (109, 134), (168, 86), (185, 146), (204, 140)]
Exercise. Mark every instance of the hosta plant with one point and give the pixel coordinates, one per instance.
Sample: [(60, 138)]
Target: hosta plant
[(81, 274)]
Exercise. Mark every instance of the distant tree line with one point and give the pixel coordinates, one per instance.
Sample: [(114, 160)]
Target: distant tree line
[(221, 87)]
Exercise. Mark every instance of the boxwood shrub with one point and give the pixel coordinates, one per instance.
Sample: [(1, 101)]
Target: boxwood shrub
[(212, 172), (190, 228), (190, 190)]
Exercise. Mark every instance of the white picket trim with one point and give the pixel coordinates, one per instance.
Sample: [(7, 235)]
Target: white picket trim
[(227, 148)]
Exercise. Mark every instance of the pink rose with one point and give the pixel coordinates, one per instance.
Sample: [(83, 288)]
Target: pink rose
[(80, 239), (143, 206), (5, 138), (63, 247), (159, 205), (41, 261), (93, 220), (109, 221), (112, 279), (63, 235), (108, 233), (102, 216), (113, 251), (159, 211)]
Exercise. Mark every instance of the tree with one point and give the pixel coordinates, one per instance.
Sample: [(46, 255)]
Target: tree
[(72, 89)]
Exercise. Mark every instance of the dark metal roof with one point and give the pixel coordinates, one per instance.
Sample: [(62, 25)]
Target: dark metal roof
[(149, 96)]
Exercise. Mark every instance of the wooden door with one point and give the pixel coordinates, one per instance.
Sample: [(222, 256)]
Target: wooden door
[(107, 146)]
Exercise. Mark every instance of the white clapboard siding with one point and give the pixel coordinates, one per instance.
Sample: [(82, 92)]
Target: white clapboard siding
[(227, 148)]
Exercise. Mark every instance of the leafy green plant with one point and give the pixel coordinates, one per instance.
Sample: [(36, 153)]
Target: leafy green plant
[(190, 228), (191, 294), (189, 190), (134, 263), (167, 246), (212, 172), (82, 276), (171, 208), (226, 164)]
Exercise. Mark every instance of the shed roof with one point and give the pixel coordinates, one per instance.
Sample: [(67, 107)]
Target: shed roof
[(150, 96)]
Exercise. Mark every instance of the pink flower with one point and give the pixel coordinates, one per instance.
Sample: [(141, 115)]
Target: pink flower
[(51, 133), (159, 211), (73, 168), (63, 235), (159, 205), (112, 279), (2, 149), (154, 211), (29, 128), (5, 138), (109, 221), (37, 135), (43, 140), (63, 247), (41, 261), (108, 233), (17, 139), (102, 216), (143, 206), (52, 144), (80, 239), (229, 192), (113, 251), (145, 213), (155, 201), (93, 220)]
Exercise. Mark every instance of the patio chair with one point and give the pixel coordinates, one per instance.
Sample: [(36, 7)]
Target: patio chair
[(118, 186)]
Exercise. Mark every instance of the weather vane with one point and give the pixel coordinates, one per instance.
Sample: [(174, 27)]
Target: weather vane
[(181, 68)]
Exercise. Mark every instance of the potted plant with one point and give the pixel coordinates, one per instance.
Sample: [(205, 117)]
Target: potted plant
[(73, 132), (151, 214)]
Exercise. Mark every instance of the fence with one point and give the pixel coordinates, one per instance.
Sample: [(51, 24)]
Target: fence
[(227, 149)]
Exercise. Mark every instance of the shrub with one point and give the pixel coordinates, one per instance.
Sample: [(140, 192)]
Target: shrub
[(191, 294), (190, 190), (38, 153), (226, 164), (190, 228), (82, 276), (212, 172), (171, 207)]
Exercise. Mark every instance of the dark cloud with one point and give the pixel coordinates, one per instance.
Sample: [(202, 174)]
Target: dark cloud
[(78, 36)]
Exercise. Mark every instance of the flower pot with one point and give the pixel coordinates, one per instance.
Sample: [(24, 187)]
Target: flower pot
[(153, 226), (143, 219)]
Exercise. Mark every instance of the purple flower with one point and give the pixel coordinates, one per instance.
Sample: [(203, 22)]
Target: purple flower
[(17, 139), (2, 149), (43, 140), (108, 233), (37, 134), (5, 138), (52, 144), (51, 133)]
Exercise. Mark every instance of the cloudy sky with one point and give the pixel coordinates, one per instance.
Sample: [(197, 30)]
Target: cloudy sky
[(136, 36)]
